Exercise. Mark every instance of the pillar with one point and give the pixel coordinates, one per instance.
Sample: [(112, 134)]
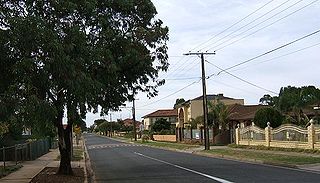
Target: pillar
[(268, 134), (238, 134), (311, 135)]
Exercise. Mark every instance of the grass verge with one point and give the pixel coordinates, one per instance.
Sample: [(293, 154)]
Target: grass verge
[(77, 154), (171, 145), (8, 170), (310, 151), (267, 158)]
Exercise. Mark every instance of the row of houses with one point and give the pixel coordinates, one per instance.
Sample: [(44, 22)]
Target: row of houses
[(180, 116)]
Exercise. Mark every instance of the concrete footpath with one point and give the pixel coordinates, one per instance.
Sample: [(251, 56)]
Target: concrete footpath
[(31, 168)]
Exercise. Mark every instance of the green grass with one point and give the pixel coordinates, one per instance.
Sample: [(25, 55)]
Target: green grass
[(310, 151), (9, 169), (269, 158), (171, 145), (77, 154)]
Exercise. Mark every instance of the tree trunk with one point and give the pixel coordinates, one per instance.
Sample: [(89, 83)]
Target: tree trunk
[(65, 149)]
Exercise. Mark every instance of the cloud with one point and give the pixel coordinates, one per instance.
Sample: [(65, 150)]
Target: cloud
[(193, 22)]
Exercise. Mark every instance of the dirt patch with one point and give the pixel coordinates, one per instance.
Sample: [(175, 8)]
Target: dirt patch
[(48, 175)]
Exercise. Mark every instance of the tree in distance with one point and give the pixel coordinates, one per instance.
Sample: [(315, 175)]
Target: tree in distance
[(292, 101), (178, 102), (67, 58), (265, 115)]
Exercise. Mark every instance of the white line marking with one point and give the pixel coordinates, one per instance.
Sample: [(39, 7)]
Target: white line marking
[(187, 169)]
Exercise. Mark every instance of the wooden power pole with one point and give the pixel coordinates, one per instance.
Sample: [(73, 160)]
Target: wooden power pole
[(134, 118), (204, 99)]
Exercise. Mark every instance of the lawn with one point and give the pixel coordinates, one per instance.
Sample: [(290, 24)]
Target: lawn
[(265, 157), (8, 170)]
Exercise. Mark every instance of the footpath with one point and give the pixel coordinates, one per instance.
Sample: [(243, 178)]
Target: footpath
[(31, 168)]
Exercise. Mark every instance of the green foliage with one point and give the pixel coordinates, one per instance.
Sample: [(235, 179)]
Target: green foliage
[(297, 97), (268, 100), (178, 101), (265, 115), (75, 56), (3, 129), (195, 122), (161, 124), (292, 100), (80, 55), (219, 114)]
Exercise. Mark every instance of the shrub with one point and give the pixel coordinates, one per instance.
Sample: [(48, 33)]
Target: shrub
[(265, 115)]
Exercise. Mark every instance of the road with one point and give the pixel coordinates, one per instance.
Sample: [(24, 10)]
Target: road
[(113, 162)]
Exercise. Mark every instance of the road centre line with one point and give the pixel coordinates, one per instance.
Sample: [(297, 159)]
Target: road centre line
[(186, 169)]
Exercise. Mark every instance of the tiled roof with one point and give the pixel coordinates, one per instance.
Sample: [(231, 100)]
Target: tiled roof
[(214, 97), (129, 122), (244, 112), (162, 113)]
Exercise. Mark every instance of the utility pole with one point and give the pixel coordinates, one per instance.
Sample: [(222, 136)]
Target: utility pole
[(204, 99), (134, 118)]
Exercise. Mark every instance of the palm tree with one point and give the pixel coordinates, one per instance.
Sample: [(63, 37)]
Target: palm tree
[(220, 113)]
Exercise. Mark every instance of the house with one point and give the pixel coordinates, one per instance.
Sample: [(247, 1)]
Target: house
[(169, 114), (242, 114), (129, 122), (193, 108)]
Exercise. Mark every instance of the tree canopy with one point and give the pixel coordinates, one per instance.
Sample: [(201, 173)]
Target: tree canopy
[(69, 57), (178, 101), (292, 100), (265, 115)]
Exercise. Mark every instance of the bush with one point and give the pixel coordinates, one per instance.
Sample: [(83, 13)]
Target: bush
[(265, 115), (145, 138), (161, 124), (128, 135)]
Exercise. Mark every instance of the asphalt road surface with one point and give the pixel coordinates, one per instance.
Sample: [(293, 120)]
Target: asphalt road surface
[(113, 162)]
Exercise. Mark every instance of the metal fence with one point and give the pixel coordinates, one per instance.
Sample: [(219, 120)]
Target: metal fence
[(27, 151)]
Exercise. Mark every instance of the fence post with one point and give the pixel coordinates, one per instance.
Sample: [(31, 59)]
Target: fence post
[(4, 158), (238, 134), (311, 135), (268, 134), (15, 153), (30, 151)]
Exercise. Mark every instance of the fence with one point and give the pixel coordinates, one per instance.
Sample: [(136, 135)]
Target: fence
[(167, 138), (287, 136), (27, 151)]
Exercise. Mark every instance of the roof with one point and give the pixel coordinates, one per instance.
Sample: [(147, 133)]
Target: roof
[(162, 113), (129, 122), (244, 112), (214, 97)]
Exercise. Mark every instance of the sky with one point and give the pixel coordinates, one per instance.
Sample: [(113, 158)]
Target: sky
[(237, 31)]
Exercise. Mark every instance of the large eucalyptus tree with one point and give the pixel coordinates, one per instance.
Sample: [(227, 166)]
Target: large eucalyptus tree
[(73, 56)]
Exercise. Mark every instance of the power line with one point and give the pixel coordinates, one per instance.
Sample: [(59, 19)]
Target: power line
[(175, 67), (173, 93), (185, 68), (230, 86), (252, 84), (264, 27), (254, 25), (232, 25), (178, 79), (274, 58), (268, 52)]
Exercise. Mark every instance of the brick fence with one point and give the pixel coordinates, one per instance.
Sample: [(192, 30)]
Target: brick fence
[(287, 136), (167, 138)]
